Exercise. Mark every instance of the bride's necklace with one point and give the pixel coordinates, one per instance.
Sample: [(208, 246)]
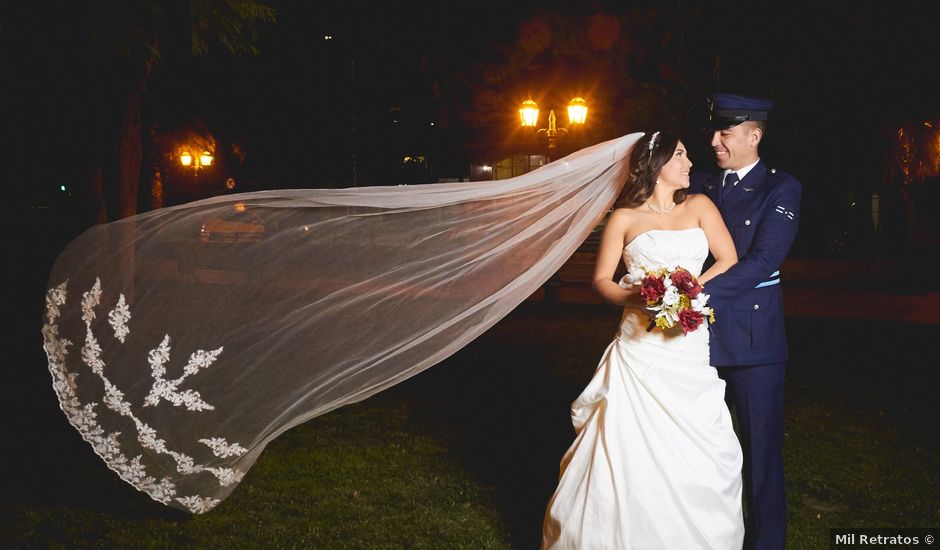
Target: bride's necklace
[(662, 212)]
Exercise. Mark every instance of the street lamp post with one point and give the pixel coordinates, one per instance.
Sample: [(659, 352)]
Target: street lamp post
[(197, 163), (529, 117)]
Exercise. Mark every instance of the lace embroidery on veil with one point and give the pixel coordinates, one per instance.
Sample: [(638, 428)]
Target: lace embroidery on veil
[(85, 417), (345, 293)]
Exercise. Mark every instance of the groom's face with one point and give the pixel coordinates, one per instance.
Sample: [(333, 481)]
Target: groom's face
[(736, 147)]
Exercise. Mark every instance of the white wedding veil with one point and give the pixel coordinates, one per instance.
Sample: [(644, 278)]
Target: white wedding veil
[(182, 341)]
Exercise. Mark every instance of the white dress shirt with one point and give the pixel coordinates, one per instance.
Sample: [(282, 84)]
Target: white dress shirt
[(741, 173)]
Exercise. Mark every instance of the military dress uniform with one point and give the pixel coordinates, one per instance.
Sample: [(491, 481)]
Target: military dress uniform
[(748, 340)]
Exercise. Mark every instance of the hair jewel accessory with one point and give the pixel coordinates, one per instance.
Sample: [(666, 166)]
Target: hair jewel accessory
[(653, 142)]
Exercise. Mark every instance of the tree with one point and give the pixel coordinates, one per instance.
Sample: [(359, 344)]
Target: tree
[(128, 39)]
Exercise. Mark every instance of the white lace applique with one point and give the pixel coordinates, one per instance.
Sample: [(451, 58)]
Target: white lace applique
[(118, 319), (166, 389), (163, 490), (226, 476), (91, 299), (55, 298), (57, 348), (84, 417), (198, 505), (91, 351), (222, 449), (109, 448)]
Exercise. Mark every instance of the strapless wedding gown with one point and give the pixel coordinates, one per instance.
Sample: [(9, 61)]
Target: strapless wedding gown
[(656, 463)]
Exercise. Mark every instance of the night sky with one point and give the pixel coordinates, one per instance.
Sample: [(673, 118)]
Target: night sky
[(443, 81)]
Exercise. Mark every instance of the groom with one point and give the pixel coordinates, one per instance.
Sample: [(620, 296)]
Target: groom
[(761, 207)]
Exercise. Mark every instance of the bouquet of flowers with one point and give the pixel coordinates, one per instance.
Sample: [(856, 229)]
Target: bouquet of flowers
[(674, 298)]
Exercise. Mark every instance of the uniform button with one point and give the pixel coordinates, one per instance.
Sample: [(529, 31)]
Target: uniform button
[(773, 170), (756, 306), (747, 222)]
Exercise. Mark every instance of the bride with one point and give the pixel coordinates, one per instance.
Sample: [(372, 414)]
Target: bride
[(655, 463)]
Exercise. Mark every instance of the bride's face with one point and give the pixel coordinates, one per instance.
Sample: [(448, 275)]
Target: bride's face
[(675, 173)]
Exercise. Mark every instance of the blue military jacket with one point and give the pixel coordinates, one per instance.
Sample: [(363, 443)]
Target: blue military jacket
[(762, 213)]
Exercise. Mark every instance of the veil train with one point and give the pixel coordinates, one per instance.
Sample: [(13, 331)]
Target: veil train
[(183, 340)]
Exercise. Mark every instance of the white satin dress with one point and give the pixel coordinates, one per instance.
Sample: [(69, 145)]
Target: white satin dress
[(656, 463)]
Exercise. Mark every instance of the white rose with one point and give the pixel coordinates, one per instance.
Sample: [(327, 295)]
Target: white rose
[(671, 297)]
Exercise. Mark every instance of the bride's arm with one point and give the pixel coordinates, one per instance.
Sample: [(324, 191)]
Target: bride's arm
[(609, 256), (719, 239)]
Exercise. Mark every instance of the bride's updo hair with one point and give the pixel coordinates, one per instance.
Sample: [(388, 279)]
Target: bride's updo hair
[(646, 160)]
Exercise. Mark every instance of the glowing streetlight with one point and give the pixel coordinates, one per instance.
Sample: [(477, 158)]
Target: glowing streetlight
[(577, 111), (529, 113), (529, 116), (196, 163)]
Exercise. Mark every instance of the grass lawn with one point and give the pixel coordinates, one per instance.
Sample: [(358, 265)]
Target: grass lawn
[(466, 454)]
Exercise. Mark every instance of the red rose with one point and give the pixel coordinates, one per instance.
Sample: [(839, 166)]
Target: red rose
[(653, 288), (686, 283), (690, 320)]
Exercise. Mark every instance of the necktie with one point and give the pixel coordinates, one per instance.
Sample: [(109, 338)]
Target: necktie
[(728, 185)]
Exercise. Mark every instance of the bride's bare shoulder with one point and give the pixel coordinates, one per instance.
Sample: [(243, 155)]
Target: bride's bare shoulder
[(699, 202), (622, 214)]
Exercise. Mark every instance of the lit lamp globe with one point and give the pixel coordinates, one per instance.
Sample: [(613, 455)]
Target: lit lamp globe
[(206, 158), (529, 113), (577, 111), (186, 159)]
